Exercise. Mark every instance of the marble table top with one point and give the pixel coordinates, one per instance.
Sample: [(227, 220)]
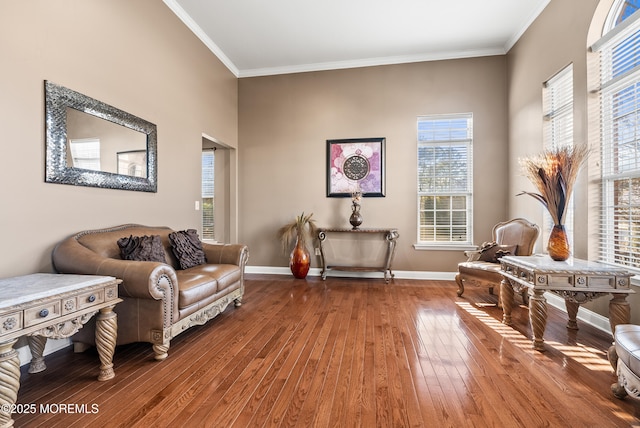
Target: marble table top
[(546, 263), (23, 289)]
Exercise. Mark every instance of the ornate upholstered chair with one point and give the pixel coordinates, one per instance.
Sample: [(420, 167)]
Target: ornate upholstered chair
[(624, 356), (482, 268)]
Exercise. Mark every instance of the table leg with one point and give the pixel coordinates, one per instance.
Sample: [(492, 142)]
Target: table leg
[(9, 380), (619, 311), (572, 311), (36, 346), (538, 318), (106, 334), (506, 299)]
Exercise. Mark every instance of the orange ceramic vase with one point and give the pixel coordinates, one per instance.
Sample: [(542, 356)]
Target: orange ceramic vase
[(558, 247), (299, 261)]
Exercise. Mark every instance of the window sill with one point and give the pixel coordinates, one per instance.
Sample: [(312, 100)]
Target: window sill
[(444, 247)]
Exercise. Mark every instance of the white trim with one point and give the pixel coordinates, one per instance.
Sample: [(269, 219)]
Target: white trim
[(525, 26), (199, 32), (447, 247), (337, 65), (271, 270), (368, 62), (51, 346), (585, 315)]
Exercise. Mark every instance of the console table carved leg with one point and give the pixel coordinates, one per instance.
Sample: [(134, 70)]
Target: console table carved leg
[(619, 311), (572, 311), (9, 381), (36, 346), (538, 318), (506, 297), (106, 333)]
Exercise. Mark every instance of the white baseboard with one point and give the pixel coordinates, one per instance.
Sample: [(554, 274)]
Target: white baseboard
[(52, 346), (585, 315), (270, 270)]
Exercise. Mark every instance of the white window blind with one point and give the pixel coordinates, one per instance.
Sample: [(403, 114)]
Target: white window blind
[(208, 191), (445, 179), (557, 103), (619, 232), (85, 153)]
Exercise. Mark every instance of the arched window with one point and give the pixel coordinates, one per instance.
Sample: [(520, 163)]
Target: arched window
[(621, 10), (619, 148)]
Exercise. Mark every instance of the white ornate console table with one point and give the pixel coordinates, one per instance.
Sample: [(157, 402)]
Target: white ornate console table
[(577, 281), (40, 306), (351, 262)]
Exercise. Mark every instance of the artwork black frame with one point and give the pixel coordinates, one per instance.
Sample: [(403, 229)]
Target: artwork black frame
[(356, 164)]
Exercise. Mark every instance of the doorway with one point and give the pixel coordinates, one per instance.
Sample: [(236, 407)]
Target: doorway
[(218, 190)]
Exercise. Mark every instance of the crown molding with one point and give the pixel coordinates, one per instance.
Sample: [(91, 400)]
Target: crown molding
[(338, 65), (525, 26), (199, 32), (368, 62)]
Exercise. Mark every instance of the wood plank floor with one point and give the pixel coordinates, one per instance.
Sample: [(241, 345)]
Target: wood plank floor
[(344, 353)]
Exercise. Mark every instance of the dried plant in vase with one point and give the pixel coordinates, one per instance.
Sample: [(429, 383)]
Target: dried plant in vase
[(301, 231), (553, 173)]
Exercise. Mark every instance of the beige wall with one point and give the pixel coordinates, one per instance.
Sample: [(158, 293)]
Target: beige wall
[(544, 49), (285, 120), (135, 55)]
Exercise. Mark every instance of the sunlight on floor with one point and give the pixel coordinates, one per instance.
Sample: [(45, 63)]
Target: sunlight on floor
[(593, 359)]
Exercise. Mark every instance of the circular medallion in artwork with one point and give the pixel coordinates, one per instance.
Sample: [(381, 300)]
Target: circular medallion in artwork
[(356, 167)]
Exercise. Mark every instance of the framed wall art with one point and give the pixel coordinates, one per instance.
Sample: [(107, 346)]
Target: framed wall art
[(355, 165)]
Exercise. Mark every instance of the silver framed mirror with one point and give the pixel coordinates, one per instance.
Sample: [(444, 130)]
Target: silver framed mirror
[(90, 143)]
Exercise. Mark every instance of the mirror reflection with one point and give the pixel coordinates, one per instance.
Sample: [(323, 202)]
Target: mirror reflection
[(90, 143), (99, 145)]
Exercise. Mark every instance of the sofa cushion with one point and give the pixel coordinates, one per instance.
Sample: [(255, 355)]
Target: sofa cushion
[(187, 248), (200, 282), (226, 275), (194, 286), (142, 248), (492, 251)]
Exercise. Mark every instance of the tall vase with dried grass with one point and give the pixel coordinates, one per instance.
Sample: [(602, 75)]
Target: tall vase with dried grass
[(301, 231), (553, 173)]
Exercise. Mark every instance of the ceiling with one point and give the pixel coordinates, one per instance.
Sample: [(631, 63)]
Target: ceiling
[(258, 37)]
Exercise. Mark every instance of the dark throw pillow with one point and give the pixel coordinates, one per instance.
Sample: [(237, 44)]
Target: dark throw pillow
[(142, 248), (187, 248), (492, 251)]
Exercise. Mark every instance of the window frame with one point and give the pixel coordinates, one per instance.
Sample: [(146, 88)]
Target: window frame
[(208, 192), (618, 47), (447, 143), (558, 131)]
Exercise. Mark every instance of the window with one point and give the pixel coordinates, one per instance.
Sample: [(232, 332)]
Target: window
[(208, 160), (558, 130), (445, 179), (85, 153), (619, 93)]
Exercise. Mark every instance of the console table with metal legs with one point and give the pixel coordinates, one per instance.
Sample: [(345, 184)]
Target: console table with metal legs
[(577, 281), (41, 306), (351, 262)]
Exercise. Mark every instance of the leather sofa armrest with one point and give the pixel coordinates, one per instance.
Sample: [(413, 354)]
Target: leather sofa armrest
[(150, 280), (232, 254)]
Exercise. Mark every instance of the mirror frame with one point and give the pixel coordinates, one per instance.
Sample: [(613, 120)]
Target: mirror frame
[(57, 99)]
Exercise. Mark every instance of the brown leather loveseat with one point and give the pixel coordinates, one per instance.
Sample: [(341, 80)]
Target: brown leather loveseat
[(160, 300)]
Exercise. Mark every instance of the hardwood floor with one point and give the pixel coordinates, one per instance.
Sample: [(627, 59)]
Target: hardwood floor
[(344, 353)]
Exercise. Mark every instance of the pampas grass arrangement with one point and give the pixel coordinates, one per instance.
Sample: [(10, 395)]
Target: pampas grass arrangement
[(303, 229), (553, 173)]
